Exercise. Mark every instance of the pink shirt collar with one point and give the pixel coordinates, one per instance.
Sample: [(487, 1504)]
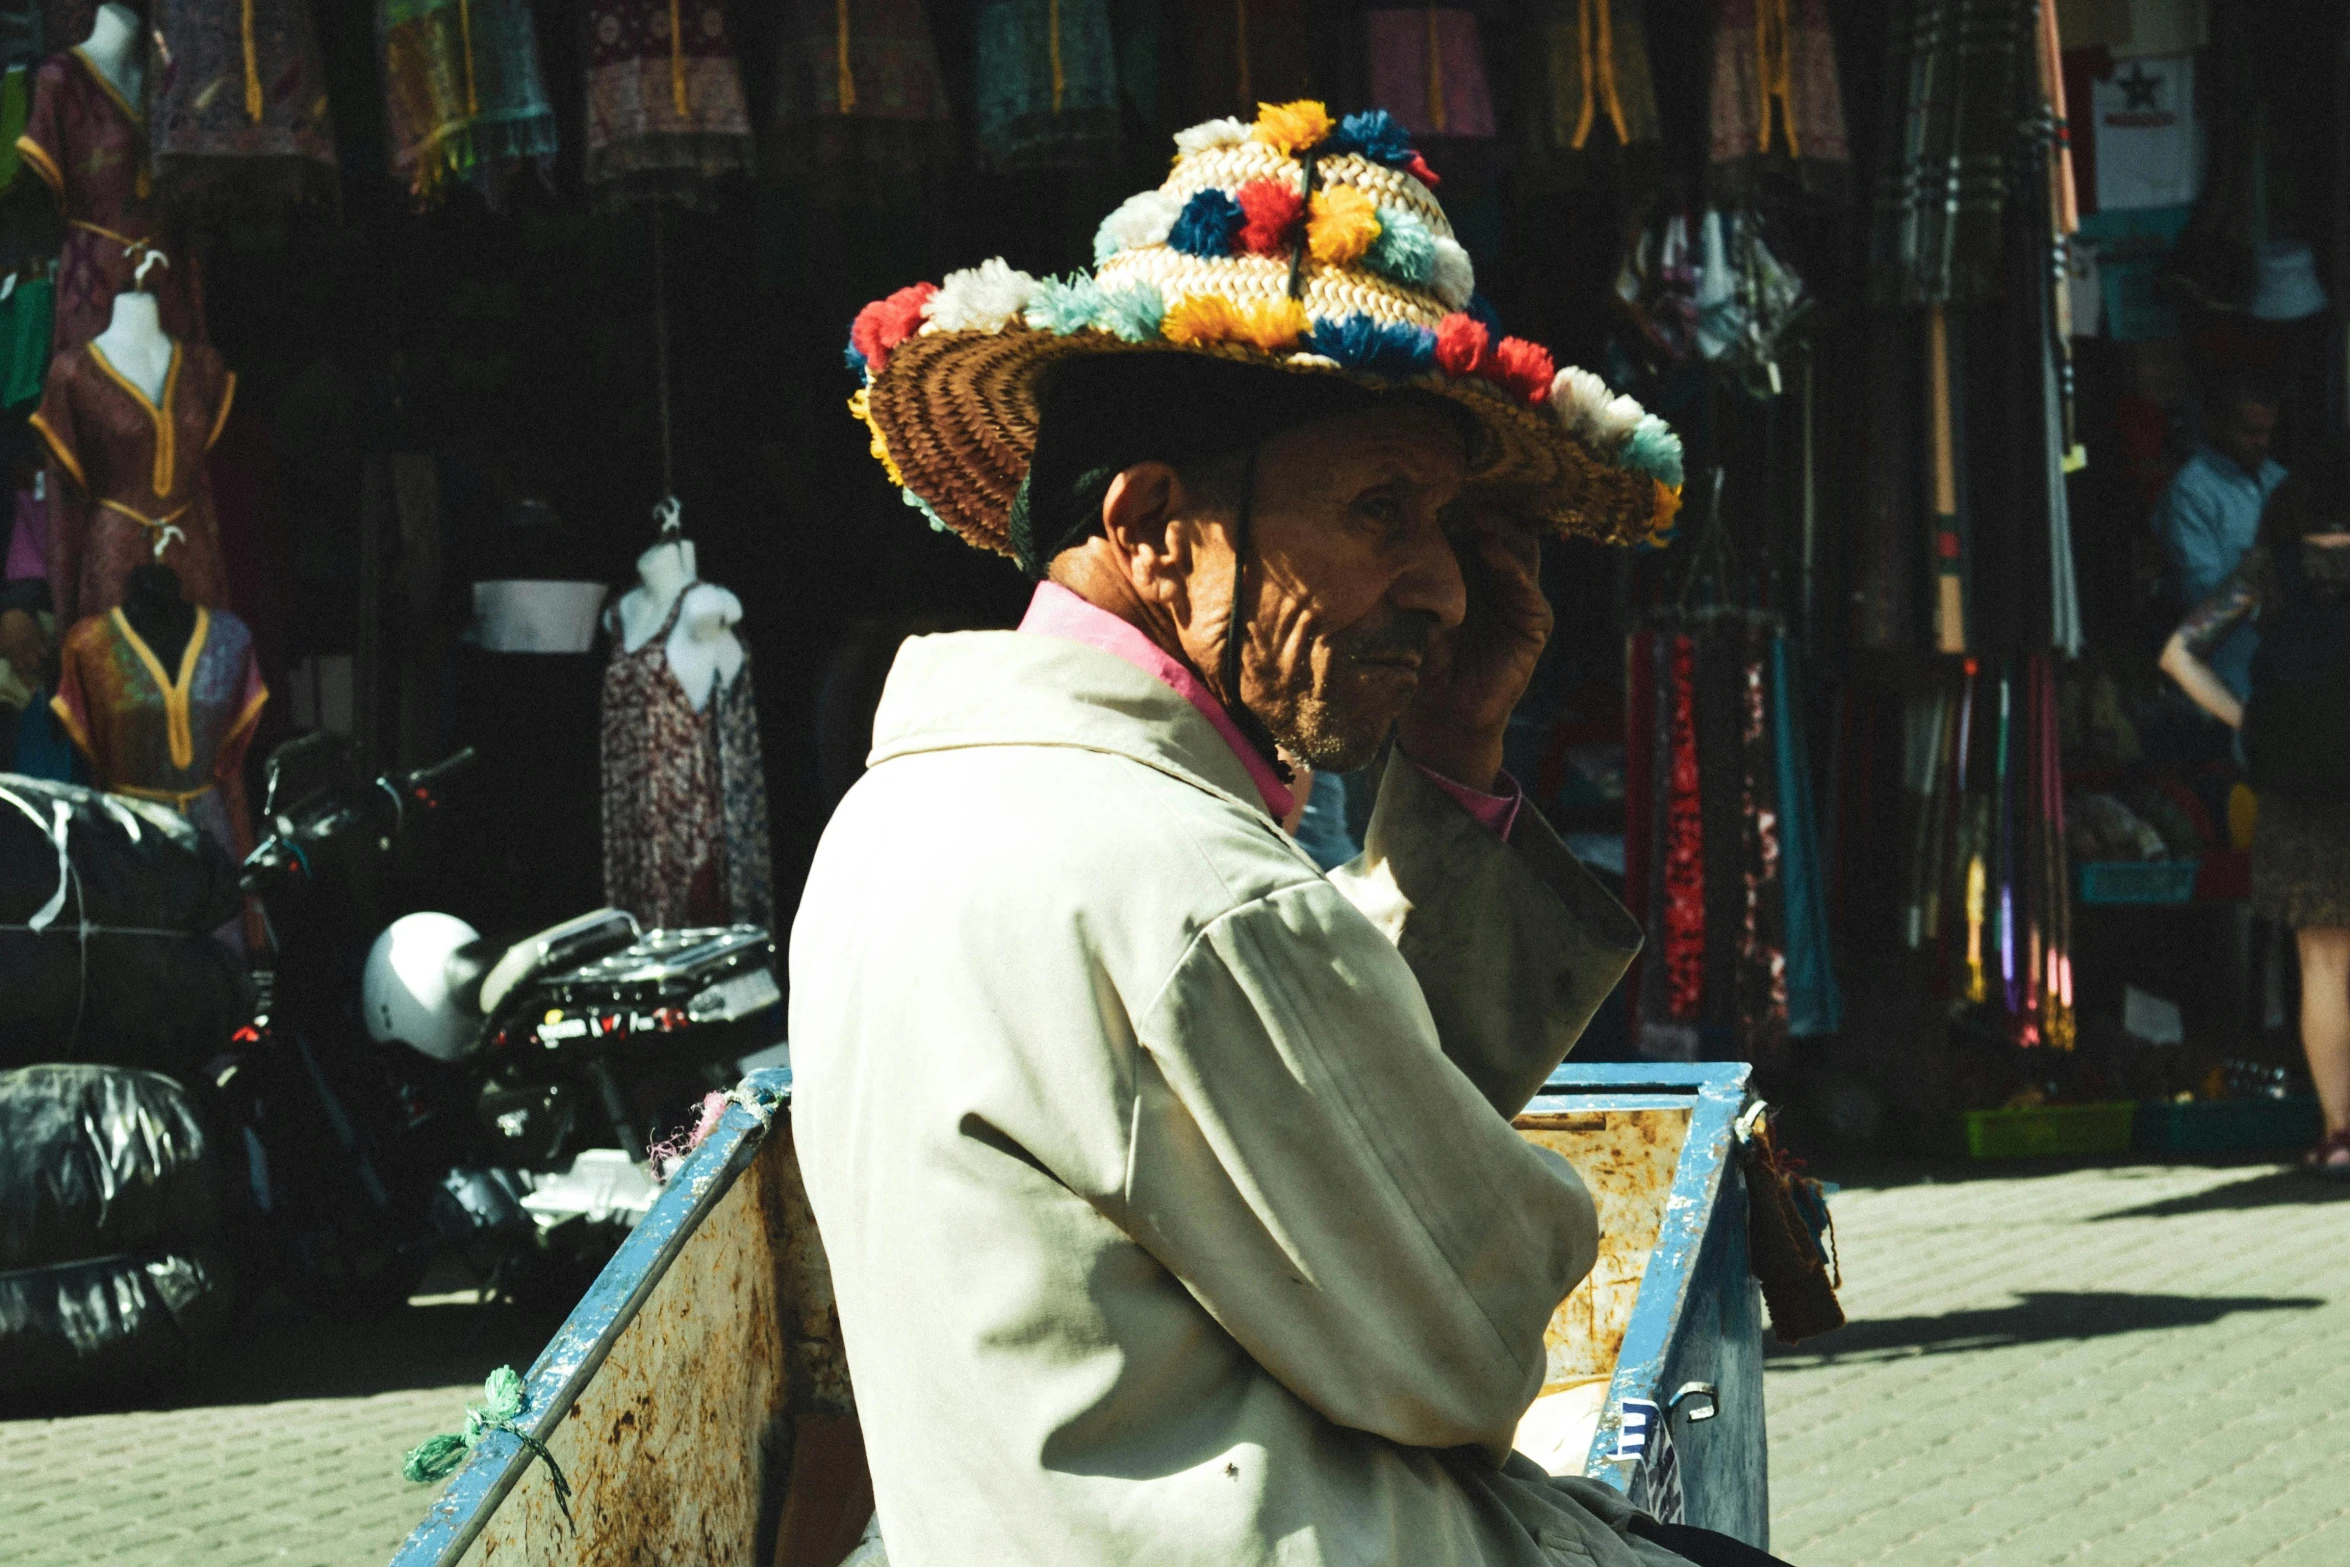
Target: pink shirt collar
[(1057, 612)]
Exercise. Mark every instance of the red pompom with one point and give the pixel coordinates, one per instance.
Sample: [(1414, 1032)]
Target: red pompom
[(1461, 342), (1273, 210), (885, 323), (1525, 368), (1419, 170)]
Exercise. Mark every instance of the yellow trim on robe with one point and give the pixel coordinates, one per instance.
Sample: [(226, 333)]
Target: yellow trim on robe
[(228, 397), (175, 693), (42, 164), (246, 719), (73, 464), (178, 799), (73, 727), (165, 457), (109, 89)]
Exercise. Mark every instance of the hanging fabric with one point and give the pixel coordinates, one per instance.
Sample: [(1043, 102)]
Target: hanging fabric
[(1762, 940), (666, 121), (1046, 86), (1428, 70), (88, 144), (465, 98), (1230, 55), (238, 110), (862, 115), (1815, 1004), (1952, 133), (1777, 103)]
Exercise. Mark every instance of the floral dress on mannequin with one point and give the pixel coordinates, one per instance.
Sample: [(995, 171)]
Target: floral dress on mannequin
[(177, 737), (685, 796), (89, 145), (127, 475)]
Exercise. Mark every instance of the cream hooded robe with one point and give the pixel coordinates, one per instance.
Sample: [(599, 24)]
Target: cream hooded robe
[(1172, 1208)]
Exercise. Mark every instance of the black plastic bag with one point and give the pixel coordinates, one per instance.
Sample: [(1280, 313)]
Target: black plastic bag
[(95, 1161), (110, 1322), (164, 1002), (133, 864)]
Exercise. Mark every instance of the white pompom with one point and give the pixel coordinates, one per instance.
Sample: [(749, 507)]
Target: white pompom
[(980, 298), (1455, 278), (1576, 396), (1140, 222), (1211, 133), (1613, 423)]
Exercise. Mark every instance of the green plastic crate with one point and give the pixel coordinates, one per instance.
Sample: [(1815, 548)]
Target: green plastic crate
[(2050, 1131), (2129, 881), (2227, 1125)]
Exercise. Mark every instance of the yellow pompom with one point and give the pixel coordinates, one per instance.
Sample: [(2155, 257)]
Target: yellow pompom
[(861, 406), (1273, 325), (1345, 224), (1293, 127), (1200, 318), (1668, 506)]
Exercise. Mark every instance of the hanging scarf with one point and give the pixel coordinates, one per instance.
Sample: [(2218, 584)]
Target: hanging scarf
[(1046, 84), (464, 98), (1777, 103), (1762, 937), (1597, 74), (1814, 1003), (1684, 856), (1955, 120), (665, 114)]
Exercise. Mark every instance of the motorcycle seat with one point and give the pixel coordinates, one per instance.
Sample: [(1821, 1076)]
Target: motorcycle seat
[(578, 940)]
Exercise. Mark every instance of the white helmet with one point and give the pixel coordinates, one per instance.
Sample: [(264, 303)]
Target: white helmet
[(412, 988)]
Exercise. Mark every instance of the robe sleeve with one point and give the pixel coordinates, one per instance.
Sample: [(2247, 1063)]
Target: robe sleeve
[(42, 145), (71, 703), (1318, 1149), (228, 762), (69, 492)]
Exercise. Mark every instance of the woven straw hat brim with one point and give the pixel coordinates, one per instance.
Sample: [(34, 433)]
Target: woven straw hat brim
[(957, 412)]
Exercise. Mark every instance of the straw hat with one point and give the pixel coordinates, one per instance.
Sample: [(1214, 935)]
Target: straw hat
[(1303, 244)]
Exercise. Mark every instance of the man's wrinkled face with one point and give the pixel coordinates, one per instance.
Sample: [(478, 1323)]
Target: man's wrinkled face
[(2246, 433), (1350, 572)]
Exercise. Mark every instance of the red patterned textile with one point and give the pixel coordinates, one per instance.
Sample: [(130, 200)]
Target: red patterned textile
[(1684, 845)]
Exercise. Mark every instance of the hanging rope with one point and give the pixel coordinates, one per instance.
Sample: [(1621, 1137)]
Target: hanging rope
[(661, 353), (465, 28), (438, 1457), (1053, 30), (845, 80), (1772, 74)]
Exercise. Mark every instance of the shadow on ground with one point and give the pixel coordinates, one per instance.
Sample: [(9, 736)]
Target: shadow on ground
[(2272, 1189), (2035, 1318), (276, 1352)]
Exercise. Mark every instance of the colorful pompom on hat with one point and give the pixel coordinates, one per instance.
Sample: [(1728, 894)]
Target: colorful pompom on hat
[(1304, 244)]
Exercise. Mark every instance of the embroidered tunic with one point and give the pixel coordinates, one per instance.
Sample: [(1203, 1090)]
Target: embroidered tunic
[(126, 473), (665, 113), (240, 112), (89, 144), (175, 737)]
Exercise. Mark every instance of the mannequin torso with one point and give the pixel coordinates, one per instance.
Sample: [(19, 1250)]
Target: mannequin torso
[(702, 650), (112, 51), (164, 620), (134, 343)]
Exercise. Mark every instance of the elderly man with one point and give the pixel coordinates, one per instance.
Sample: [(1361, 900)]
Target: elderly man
[(1172, 1205), (2210, 515)]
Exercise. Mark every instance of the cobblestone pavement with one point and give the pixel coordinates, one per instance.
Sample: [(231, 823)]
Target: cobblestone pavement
[(2109, 1367)]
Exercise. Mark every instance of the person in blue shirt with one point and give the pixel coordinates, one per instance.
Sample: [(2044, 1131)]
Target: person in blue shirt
[(2210, 515)]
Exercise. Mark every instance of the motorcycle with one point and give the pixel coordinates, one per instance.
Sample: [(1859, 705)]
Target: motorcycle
[(430, 1091)]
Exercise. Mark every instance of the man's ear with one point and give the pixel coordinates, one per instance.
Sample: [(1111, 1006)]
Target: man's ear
[(1139, 512)]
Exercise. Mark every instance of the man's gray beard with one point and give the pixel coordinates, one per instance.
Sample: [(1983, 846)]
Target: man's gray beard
[(1325, 736)]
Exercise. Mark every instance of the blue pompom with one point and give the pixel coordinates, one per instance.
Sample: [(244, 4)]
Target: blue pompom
[(1654, 449), (1375, 134), (854, 360), (1405, 249), (1133, 312), (1064, 305), (1360, 343), (1479, 308), (1207, 224)]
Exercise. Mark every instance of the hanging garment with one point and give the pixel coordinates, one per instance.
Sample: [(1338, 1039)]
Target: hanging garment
[(2148, 152), (126, 474), (177, 737), (16, 107), (238, 111), (28, 540), (65, 23), (861, 108), (1814, 1003), (685, 796), (1762, 936), (1235, 54), (1046, 91), (1955, 109), (1428, 70), (27, 318), (1594, 83), (89, 145), (464, 96), (665, 114), (1684, 846), (1778, 106)]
